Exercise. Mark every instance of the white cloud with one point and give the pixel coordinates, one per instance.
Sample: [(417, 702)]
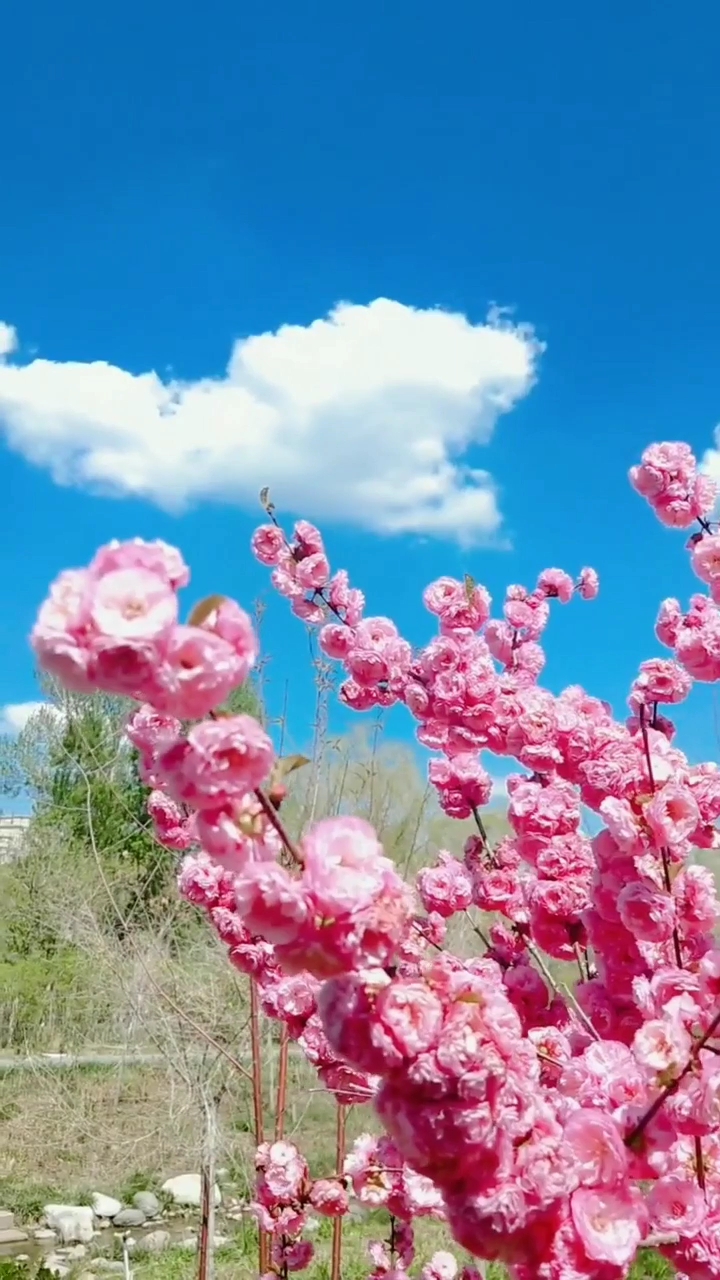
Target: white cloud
[(363, 417), (711, 458), (8, 339), (15, 715)]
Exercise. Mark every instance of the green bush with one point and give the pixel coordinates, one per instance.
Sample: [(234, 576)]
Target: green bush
[(38, 994)]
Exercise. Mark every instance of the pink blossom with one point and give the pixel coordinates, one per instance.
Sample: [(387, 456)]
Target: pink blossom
[(442, 1266), (660, 680), (218, 761), (597, 1147), (555, 583), (271, 903), (150, 731), (669, 622), (336, 640), (155, 557), (672, 813), (646, 912), (60, 634), (662, 1046), (268, 544), (171, 826), (199, 671), (132, 605), (676, 1206), (441, 594), (445, 888), (609, 1223), (329, 1197), (705, 558), (283, 1172), (588, 584), (296, 1256)]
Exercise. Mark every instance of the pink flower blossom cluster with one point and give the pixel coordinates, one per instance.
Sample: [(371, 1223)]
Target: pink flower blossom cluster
[(114, 626), (556, 1129), (677, 491), (285, 1194)]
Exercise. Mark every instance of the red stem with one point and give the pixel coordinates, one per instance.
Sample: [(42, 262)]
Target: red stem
[(336, 1264), (281, 1102), (263, 1243)]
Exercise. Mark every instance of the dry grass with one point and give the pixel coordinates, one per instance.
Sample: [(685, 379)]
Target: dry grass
[(124, 1129)]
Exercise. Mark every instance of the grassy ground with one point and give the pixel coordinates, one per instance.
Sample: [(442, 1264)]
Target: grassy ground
[(63, 1136), (238, 1261), (110, 1130)]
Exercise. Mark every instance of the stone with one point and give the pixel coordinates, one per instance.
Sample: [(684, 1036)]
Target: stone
[(13, 1235), (44, 1235), (153, 1242), (73, 1223), (55, 1265), (110, 1266), (186, 1189), (189, 1244), (219, 1242), (129, 1218), (105, 1206), (76, 1252), (7, 1220), (147, 1202)]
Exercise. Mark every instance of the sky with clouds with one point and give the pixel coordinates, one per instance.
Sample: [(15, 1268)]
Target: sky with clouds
[(436, 275)]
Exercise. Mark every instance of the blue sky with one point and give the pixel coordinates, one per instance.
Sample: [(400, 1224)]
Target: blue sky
[(178, 182)]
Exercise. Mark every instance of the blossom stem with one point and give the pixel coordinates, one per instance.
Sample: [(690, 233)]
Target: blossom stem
[(276, 821), (562, 990), (671, 1088), (477, 930), (663, 852), (263, 1249), (699, 1162), (481, 827), (336, 1259), (281, 1100)]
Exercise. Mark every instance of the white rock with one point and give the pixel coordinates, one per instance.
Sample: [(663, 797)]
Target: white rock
[(187, 1190), (73, 1223), (56, 1266), (105, 1206), (153, 1242), (44, 1235)]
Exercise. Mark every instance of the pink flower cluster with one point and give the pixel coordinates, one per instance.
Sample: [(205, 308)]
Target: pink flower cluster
[(288, 998), (114, 626), (284, 1195), (668, 477), (348, 907), (555, 1129)]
